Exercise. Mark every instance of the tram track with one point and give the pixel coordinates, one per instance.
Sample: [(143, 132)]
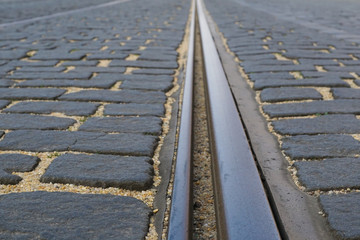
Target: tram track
[(241, 204)]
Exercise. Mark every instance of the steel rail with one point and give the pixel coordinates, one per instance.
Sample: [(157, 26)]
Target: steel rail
[(180, 223), (241, 205)]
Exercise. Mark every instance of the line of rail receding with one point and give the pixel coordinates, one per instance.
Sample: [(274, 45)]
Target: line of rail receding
[(241, 204)]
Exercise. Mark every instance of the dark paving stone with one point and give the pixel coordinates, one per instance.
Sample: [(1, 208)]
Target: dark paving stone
[(6, 83), (289, 94), (92, 142), (313, 74), (278, 68), (30, 93), (346, 93), (141, 85), (147, 125), (31, 69), (154, 71), (144, 64), (134, 173), (320, 146), (329, 174), (47, 63), (57, 55), (123, 96), (146, 78), (134, 109), (50, 75), (68, 108), (3, 103), (314, 82), (319, 125), (343, 211), (15, 163), (92, 83), (126, 144), (12, 54), (55, 215), (27, 121), (106, 55), (341, 106), (80, 63)]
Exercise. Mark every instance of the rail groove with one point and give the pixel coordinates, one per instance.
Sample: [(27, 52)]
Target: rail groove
[(241, 205)]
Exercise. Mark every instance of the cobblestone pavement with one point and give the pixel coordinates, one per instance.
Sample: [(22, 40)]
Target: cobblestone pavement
[(82, 115), (302, 59)]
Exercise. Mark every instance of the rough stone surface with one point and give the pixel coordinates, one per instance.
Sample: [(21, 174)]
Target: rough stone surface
[(342, 106), (343, 212), (289, 94), (123, 96), (27, 121), (92, 83), (98, 170), (147, 125), (48, 141), (50, 75), (15, 163), (314, 82), (55, 215), (134, 109), (348, 93), (3, 103), (68, 108), (30, 93), (320, 146), (320, 125), (329, 174)]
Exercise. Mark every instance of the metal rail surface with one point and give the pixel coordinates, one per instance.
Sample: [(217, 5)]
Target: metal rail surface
[(241, 205), (180, 223)]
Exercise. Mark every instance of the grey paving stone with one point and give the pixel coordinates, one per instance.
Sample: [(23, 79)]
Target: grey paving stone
[(343, 212), (57, 55), (329, 174), (92, 83), (91, 142), (10, 163), (288, 94), (30, 93), (12, 54), (134, 109), (123, 96), (144, 64), (340, 106), (313, 82), (142, 85), (56, 215), (106, 55), (3, 103), (68, 108), (134, 173), (320, 146), (126, 144), (27, 121), (48, 63), (153, 71), (346, 93), (146, 125), (320, 125), (6, 83), (30, 69), (147, 78), (278, 68), (50, 75)]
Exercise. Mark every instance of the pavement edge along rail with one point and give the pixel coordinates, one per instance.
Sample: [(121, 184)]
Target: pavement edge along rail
[(242, 208)]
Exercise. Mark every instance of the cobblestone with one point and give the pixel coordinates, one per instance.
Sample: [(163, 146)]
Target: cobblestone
[(27, 121), (288, 94), (68, 108), (10, 163), (328, 174), (71, 216), (320, 146), (134, 173), (134, 109), (343, 214), (30, 93), (146, 125), (326, 124)]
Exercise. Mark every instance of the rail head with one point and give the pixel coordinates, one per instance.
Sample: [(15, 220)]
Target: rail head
[(242, 208)]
